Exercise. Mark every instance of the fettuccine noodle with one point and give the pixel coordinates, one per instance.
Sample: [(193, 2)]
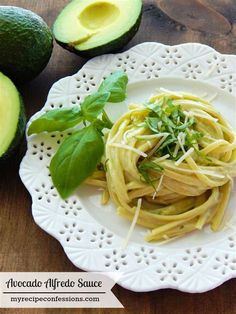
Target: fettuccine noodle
[(178, 155)]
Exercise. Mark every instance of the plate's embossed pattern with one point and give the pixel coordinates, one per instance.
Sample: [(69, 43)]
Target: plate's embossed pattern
[(87, 243)]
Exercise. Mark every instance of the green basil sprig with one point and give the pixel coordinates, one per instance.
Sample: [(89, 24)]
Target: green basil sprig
[(76, 160), (93, 105), (56, 120), (79, 155), (115, 84)]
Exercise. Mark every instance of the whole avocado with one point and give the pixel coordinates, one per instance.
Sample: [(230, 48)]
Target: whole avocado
[(26, 43)]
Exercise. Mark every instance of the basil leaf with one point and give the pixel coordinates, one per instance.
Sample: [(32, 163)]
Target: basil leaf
[(99, 126), (115, 84), (104, 123), (152, 124), (76, 160), (56, 120), (93, 105), (108, 124), (156, 106), (184, 126), (150, 165), (143, 169), (167, 142)]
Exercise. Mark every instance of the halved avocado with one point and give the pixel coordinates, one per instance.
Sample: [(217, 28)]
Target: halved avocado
[(94, 27), (12, 117)]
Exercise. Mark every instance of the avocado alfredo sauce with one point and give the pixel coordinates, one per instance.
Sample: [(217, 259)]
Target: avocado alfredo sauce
[(26, 43), (94, 27), (12, 117)]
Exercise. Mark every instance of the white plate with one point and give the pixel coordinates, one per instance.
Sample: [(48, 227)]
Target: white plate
[(92, 235)]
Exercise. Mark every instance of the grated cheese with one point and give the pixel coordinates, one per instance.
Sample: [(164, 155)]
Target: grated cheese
[(158, 187), (162, 158), (187, 154), (158, 145), (134, 221), (212, 174), (161, 141), (127, 147), (181, 140), (186, 119), (176, 149)]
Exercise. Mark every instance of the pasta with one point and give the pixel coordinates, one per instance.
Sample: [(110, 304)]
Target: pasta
[(175, 158)]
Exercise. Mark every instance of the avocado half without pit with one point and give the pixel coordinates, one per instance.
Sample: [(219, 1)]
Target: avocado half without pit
[(91, 27)]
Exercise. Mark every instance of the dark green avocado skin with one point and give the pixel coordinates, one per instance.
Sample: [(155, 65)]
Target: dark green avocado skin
[(113, 46), (18, 135), (26, 43)]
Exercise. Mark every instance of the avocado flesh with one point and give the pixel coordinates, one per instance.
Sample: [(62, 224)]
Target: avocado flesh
[(10, 114), (88, 24)]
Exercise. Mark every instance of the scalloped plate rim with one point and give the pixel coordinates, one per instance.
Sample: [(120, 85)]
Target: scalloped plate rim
[(159, 285)]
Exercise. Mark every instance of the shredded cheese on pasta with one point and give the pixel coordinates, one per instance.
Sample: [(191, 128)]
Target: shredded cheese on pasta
[(132, 226), (171, 166)]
